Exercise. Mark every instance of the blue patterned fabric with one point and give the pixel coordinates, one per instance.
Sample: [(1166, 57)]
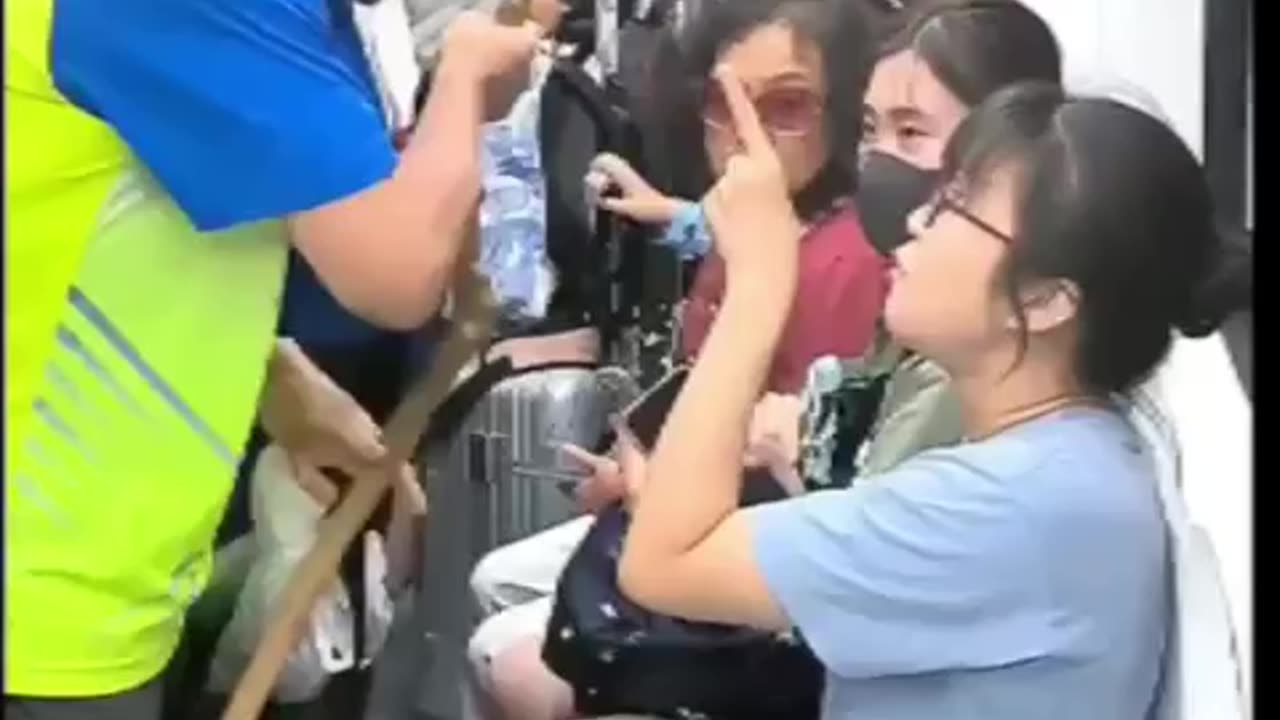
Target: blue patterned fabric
[(513, 215)]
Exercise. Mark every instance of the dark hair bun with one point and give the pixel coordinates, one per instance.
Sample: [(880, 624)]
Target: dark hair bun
[(1224, 288)]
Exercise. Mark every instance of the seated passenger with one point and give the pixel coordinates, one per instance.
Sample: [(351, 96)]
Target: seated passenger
[(815, 126), (1026, 566), (946, 58), (943, 60)]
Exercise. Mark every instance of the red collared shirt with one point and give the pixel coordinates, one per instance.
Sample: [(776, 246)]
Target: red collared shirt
[(842, 288)]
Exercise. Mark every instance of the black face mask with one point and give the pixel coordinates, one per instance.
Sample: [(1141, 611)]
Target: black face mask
[(889, 190)]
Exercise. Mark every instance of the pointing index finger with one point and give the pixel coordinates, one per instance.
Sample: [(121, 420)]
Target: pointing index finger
[(746, 122)]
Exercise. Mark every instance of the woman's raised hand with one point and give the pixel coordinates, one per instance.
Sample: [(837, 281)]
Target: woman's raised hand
[(749, 209)]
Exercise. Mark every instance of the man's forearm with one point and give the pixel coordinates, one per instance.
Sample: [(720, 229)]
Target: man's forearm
[(389, 252), (439, 171), (440, 167)]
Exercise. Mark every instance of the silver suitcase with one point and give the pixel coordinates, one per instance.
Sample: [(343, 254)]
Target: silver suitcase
[(499, 477), (507, 450)]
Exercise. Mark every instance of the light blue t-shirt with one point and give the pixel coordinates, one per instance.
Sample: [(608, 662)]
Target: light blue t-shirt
[(1019, 577)]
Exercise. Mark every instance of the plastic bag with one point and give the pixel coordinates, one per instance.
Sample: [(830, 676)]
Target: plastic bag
[(285, 520), (513, 214), (388, 44), (430, 19)]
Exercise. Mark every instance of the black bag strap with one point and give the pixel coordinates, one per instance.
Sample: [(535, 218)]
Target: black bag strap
[(570, 83), (462, 400), (658, 13), (594, 100)]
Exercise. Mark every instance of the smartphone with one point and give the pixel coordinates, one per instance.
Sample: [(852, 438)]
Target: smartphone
[(648, 413)]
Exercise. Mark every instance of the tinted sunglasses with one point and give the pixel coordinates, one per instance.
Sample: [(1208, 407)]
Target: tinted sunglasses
[(786, 111)]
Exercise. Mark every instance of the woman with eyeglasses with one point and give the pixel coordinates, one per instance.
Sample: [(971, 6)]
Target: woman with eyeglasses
[(805, 64), (943, 58), (1024, 572)]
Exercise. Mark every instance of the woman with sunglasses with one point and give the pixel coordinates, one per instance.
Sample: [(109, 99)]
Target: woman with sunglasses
[(806, 64), (1024, 572), (809, 98)]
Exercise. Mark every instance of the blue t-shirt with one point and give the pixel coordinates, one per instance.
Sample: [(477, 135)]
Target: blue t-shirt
[(244, 110), (1019, 577)]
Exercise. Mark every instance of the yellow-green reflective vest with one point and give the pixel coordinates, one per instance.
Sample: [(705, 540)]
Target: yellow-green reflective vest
[(135, 349)]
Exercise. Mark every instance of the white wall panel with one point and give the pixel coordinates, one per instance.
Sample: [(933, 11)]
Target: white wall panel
[(1158, 45)]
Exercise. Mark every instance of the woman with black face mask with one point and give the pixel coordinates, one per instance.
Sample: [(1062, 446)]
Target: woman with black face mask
[(945, 59)]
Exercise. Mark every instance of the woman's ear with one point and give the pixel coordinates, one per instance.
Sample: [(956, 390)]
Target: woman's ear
[(1048, 305)]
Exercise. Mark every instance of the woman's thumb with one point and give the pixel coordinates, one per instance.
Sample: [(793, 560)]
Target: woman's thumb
[(628, 445)]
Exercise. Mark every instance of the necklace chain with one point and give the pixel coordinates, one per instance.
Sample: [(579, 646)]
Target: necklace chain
[(1032, 411)]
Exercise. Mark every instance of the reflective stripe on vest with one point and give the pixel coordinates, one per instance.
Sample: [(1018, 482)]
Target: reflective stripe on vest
[(134, 367)]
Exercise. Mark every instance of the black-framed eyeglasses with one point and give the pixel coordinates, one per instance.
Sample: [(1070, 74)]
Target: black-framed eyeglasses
[(942, 203)]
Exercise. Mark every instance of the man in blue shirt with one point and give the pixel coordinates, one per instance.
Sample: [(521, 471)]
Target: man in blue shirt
[(259, 110), (263, 110)]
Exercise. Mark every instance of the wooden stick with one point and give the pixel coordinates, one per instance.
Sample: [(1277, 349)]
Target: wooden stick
[(474, 312)]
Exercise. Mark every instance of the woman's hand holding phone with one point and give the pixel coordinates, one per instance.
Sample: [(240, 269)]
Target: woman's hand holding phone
[(610, 479), (603, 484)]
